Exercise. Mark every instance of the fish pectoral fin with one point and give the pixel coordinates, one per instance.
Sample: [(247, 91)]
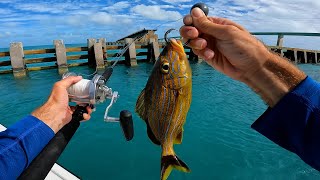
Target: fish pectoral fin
[(140, 106), (178, 139), (151, 136)]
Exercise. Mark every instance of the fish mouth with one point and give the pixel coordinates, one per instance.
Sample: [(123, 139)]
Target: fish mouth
[(177, 46)]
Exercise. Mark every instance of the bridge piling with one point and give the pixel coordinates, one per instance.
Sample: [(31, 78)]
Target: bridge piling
[(91, 57), (61, 56), (153, 50), (98, 54), (17, 59), (131, 54)]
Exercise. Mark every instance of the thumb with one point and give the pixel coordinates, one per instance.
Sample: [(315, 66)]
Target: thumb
[(204, 25)]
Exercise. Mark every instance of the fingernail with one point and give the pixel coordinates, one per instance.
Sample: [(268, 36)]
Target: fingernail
[(208, 54), (189, 33), (197, 12)]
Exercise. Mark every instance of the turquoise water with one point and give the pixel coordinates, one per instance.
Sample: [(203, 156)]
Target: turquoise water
[(218, 141)]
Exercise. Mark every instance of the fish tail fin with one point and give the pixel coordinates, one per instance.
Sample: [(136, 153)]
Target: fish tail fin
[(169, 162)]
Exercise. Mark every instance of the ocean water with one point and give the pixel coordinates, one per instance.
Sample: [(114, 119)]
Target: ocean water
[(218, 142)]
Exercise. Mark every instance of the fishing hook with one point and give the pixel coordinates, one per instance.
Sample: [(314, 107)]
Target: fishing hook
[(166, 34)]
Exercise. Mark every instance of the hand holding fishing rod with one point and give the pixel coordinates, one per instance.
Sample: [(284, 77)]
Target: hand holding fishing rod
[(86, 93)]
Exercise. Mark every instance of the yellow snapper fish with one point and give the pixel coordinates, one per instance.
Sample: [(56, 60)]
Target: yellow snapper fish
[(164, 103)]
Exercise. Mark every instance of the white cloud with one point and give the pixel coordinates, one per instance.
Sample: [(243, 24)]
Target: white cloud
[(156, 13), (117, 6), (83, 18), (274, 16)]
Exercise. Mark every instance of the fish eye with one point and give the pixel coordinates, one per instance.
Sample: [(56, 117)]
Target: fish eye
[(165, 67)]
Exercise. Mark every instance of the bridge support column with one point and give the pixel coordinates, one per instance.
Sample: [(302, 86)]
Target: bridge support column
[(153, 50), (61, 56), (295, 54), (305, 57), (280, 40), (17, 59), (131, 54)]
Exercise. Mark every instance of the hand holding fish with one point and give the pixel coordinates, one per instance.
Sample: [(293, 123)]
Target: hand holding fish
[(225, 45), (232, 50)]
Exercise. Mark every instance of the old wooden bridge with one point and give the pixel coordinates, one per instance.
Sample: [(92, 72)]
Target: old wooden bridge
[(98, 53)]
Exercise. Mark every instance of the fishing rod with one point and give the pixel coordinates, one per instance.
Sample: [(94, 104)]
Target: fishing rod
[(84, 93)]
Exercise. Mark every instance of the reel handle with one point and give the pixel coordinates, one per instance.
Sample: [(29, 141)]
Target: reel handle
[(126, 124)]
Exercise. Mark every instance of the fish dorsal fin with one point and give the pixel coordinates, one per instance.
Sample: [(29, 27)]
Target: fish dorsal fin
[(140, 106)]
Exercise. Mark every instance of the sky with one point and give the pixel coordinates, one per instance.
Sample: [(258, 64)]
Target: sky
[(39, 22)]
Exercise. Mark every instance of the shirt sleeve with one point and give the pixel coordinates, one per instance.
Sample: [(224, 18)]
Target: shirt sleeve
[(294, 123), (20, 144)]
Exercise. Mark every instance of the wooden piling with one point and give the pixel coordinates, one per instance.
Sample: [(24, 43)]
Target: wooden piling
[(104, 49), (61, 56), (316, 57), (98, 53), (131, 54), (17, 59), (280, 40), (91, 57), (153, 50)]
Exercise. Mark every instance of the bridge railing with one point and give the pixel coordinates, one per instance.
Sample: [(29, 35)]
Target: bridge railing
[(97, 54)]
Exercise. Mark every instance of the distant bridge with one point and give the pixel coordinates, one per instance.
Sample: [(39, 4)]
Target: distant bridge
[(100, 53)]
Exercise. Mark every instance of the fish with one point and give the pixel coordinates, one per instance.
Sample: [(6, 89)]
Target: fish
[(164, 103)]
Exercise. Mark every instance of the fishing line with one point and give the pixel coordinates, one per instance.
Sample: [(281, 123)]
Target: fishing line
[(138, 38)]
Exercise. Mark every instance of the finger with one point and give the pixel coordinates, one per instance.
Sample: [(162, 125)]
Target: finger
[(203, 24), (198, 43), (86, 117), (89, 110), (224, 21), (206, 53), (187, 20), (67, 82), (189, 32)]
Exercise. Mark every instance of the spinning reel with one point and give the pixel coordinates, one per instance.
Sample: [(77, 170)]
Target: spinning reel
[(91, 92)]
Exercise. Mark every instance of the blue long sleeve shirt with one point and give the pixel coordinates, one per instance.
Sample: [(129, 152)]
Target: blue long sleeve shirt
[(20, 144), (294, 123)]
